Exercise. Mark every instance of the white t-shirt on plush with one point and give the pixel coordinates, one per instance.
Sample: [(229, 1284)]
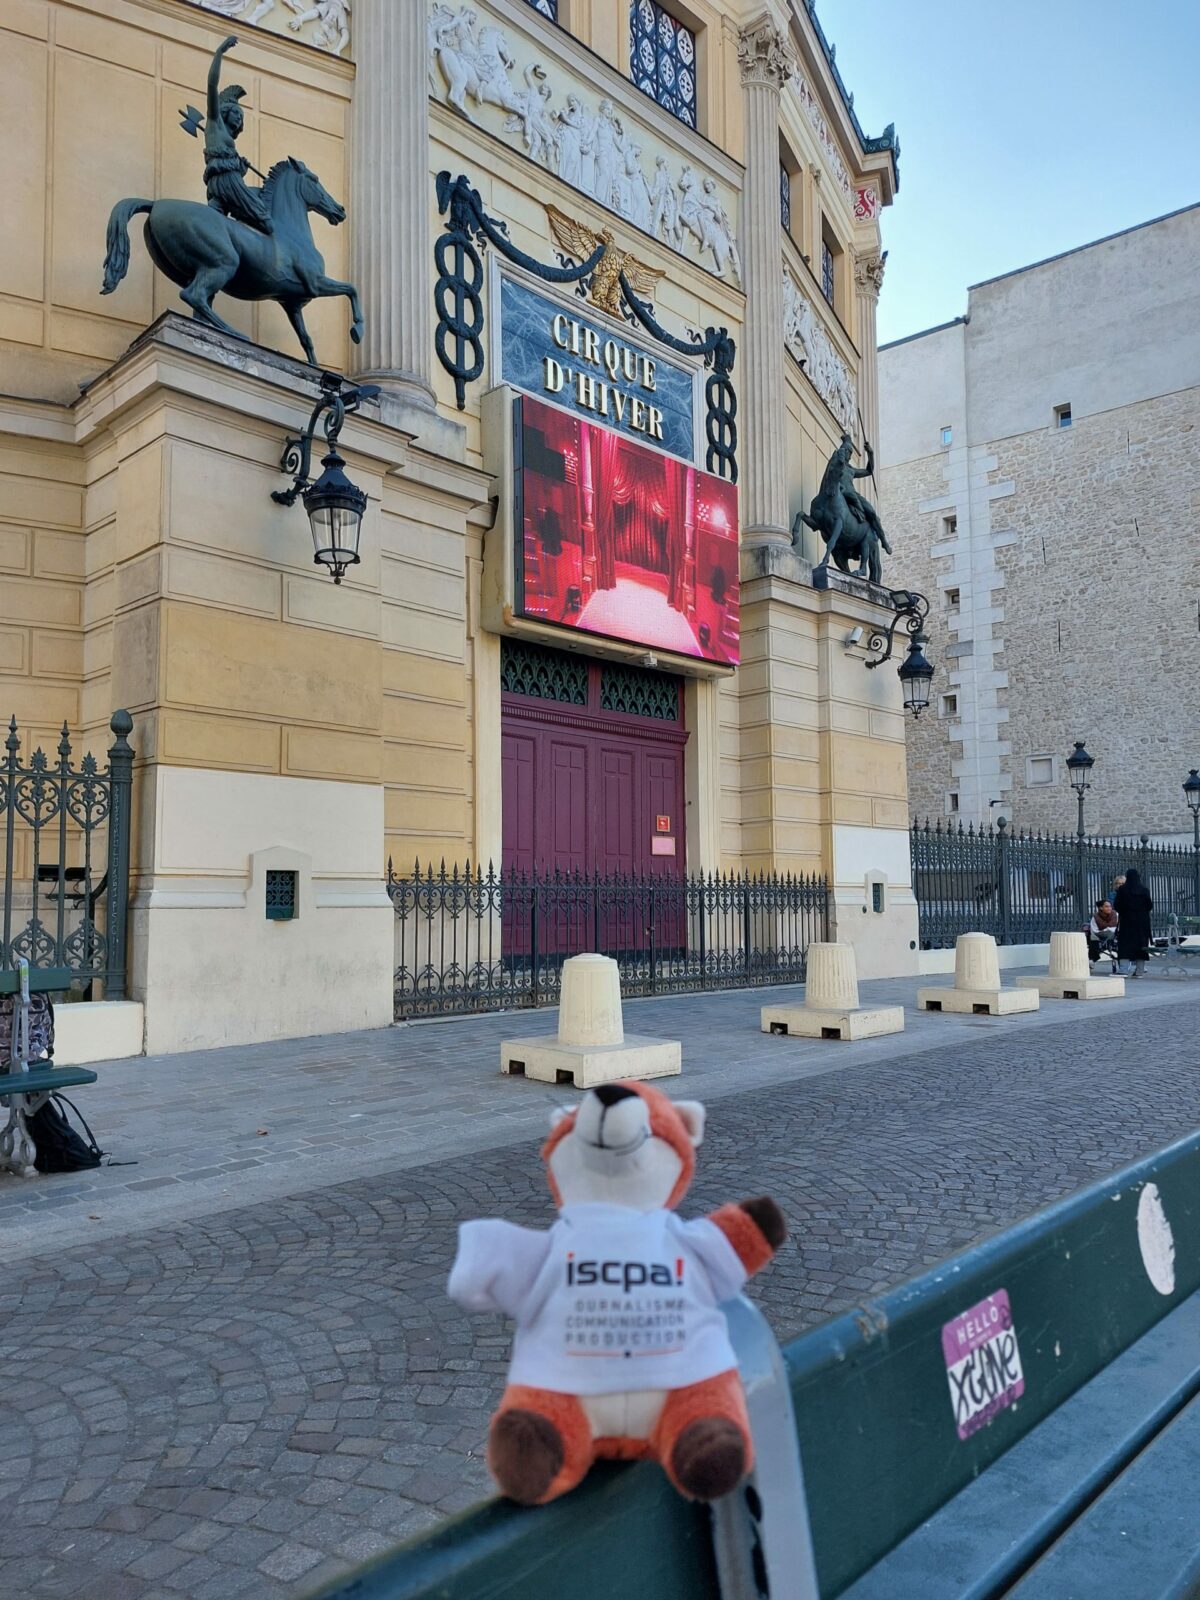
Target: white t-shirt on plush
[(609, 1299)]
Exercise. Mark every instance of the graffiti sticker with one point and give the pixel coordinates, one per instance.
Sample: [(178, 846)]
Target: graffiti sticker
[(983, 1363)]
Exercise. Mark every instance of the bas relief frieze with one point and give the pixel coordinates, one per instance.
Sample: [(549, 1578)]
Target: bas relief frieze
[(323, 23), (812, 347), (475, 67)]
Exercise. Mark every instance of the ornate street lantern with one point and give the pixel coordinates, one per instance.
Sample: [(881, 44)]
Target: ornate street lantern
[(1079, 766), (916, 675), (1191, 791), (915, 672), (334, 504)]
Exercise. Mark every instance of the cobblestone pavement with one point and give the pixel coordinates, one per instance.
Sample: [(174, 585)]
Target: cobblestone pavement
[(248, 1398)]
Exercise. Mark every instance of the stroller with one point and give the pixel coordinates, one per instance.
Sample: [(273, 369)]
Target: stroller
[(1102, 947)]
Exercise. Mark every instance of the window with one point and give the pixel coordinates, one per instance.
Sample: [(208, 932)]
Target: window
[(953, 599), (828, 280), (1039, 771), (785, 197), (548, 8), (1062, 416), (948, 706), (281, 896), (662, 56), (947, 435), (949, 527), (952, 801)]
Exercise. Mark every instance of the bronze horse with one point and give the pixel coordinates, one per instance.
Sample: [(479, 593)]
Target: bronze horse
[(208, 253), (848, 523)]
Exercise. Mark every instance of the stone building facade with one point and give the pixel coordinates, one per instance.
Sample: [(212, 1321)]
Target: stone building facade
[(283, 723), (1040, 480)]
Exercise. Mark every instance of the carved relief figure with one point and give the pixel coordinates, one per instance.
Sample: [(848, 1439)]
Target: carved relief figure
[(531, 120), (574, 126), (322, 36), (664, 204), (455, 49), (333, 22), (635, 193), (703, 216), (604, 144)]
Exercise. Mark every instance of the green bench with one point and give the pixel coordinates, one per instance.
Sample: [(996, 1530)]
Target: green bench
[(23, 1088), (944, 1460)]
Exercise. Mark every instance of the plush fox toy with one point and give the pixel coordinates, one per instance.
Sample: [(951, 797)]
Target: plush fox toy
[(621, 1350)]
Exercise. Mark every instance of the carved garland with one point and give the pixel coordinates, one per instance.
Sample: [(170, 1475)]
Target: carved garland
[(458, 300)]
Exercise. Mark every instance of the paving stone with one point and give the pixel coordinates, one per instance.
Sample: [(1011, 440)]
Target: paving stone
[(246, 1397)]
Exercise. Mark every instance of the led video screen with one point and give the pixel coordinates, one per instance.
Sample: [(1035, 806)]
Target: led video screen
[(622, 541)]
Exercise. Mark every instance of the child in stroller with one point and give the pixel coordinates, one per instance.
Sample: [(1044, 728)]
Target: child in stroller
[(1102, 934)]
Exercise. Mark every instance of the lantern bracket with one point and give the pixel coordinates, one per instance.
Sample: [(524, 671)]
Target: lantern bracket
[(338, 399), (910, 608)]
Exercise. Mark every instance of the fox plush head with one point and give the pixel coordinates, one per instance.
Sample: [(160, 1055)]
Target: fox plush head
[(626, 1144), (621, 1350)]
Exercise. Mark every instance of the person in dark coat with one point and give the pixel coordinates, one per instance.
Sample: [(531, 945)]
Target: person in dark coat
[(1133, 906)]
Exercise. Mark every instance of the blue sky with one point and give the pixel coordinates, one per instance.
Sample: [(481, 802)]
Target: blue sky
[(1026, 129)]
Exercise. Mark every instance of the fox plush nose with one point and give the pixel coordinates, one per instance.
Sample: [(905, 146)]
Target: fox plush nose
[(609, 1094), (612, 1117)]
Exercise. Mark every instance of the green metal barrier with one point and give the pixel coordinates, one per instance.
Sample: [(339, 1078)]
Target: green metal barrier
[(624, 1532), (871, 1392), (879, 1434)]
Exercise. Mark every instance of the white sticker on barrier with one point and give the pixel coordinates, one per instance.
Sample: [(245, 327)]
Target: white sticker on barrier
[(1155, 1240), (983, 1363)]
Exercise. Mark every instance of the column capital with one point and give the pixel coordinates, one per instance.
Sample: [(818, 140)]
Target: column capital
[(764, 55), (868, 272)]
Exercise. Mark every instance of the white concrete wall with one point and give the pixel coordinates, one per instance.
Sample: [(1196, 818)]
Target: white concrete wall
[(1104, 326), (884, 942), (209, 967)]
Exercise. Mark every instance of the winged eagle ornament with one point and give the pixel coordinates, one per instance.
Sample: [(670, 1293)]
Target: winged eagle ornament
[(580, 241)]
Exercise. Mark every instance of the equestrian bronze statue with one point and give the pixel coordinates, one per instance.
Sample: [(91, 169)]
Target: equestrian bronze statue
[(845, 519), (252, 242)]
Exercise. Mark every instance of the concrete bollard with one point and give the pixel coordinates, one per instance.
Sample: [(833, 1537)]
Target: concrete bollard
[(976, 962), (1070, 975), (831, 1009), (1068, 956), (589, 1007), (591, 1046), (832, 980), (977, 990)]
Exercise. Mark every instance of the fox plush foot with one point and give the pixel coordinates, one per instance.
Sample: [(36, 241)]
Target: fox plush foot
[(709, 1458), (525, 1453)]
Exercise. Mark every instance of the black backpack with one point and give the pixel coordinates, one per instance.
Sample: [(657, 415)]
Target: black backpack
[(59, 1148)]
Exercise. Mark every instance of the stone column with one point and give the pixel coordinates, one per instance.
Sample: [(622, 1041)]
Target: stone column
[(766, 63), (391, 247), (868, 280)]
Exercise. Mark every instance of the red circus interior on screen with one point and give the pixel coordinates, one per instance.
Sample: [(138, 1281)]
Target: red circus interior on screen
[(623, 541)]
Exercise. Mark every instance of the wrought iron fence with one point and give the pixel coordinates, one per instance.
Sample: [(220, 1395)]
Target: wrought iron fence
[(1021, 887), (66, 858), (469, 940)]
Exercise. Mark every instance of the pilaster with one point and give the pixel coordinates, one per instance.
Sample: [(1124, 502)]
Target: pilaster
[(868, 281), (391, 244), (766, 62)]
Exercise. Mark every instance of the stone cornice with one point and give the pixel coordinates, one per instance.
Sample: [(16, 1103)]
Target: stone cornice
[(764, 55), (271, 392)]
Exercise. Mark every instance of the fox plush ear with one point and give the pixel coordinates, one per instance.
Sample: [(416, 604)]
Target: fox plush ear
[(560, 1113), (692, 1115)]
